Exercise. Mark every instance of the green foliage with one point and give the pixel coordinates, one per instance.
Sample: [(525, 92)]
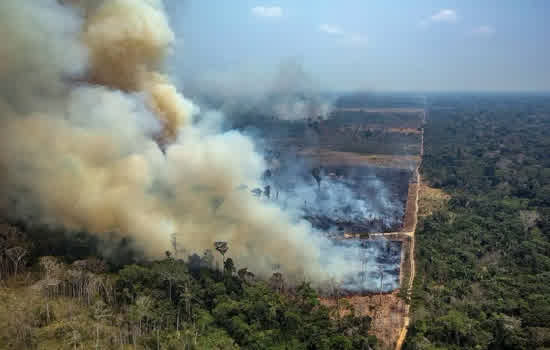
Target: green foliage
[(225, 312), (483, 261), (173, 304)]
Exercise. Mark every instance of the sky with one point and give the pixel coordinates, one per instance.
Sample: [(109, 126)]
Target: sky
[(372, 45)]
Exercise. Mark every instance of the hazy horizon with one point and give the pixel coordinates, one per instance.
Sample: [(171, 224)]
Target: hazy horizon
[(428, 46)]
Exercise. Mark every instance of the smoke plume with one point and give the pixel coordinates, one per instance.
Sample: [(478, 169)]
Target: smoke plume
[(288, 93), (83, 104), (95, 137)]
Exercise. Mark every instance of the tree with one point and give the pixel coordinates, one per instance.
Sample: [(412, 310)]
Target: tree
[(174, 242), (229, 266), (245, 275), (74, 338), (170, 271), (277, 282), (141, 311), (100, 312), (316, 173), (16, 255), (221, 247), (381, 274), (54, 271)]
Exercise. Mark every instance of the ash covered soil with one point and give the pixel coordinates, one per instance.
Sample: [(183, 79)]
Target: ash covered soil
[(342, 196), (352, 196), (359, 200), (342, 200), (376, 265), (339, 200)]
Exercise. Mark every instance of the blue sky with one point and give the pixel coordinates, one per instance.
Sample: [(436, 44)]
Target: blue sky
[(423, 45)]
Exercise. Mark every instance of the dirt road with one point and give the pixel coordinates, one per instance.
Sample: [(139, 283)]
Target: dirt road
[(391, 318), (403, 334)]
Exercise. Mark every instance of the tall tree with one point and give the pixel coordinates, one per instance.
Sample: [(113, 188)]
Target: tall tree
[(16, 255)]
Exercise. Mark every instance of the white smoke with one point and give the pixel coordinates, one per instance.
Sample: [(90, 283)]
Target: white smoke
[(338, 200), (357, 201), (287, 93), (84, 106)]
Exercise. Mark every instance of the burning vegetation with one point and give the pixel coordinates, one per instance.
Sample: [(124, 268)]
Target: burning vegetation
[(96, 138)]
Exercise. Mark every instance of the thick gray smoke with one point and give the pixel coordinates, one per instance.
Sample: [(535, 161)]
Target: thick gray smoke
[(94, 136), (288, 93)]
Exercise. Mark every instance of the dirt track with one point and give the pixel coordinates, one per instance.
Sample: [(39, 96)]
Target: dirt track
[(335, 158), (389, 312), (403, 334)]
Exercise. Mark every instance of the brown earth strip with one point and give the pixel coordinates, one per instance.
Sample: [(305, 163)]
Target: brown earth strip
[(431, 199), (385, 310), (335, 158)]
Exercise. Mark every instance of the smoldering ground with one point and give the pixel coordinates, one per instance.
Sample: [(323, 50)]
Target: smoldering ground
[(358, 201), (95, 137)]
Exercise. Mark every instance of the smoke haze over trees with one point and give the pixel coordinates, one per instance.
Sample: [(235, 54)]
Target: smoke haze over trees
[(95, 137), (285, 92)]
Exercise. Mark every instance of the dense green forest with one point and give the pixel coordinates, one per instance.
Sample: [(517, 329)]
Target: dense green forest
[(483, 261), (58, 303)]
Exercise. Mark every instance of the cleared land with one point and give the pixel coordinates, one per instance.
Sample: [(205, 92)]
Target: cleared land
[(385, 310), (431, 199), (385, 137), (389, 312), (336, 158)]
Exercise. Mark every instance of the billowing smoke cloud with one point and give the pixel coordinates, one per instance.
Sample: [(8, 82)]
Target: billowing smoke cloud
[(84, 105), (128, 41), (288, 93)]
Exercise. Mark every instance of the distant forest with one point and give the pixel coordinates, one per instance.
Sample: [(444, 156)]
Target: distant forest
[(483, 261)]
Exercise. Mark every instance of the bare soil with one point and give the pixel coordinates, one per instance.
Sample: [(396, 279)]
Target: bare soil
[(334, 158), (386, 311), (431, 199), (383, 138)]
